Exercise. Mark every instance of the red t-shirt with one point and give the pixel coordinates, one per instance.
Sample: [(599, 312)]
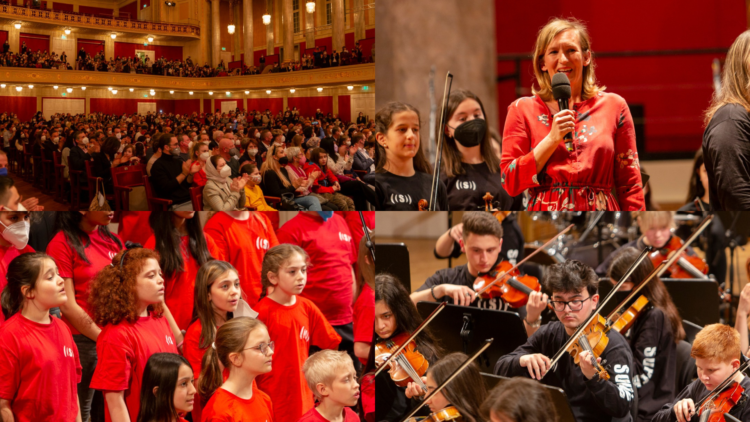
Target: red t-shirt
[(39, 370), (7, 255), (134, 226), (243, 244), (367, 391), (199, 178), (331, 249), (180, 288), (226, 407), (355, 225), (293, 329), (364, 317), (313, 415), (123, 350), (100, 251)]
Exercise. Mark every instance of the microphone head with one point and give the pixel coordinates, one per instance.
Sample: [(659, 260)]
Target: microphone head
[(560, 86)]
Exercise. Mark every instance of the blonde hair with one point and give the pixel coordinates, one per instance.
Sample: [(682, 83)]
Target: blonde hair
[(553, 28), (273, 165), (717, 341), (735, 81), (647, 220), (322, 366)]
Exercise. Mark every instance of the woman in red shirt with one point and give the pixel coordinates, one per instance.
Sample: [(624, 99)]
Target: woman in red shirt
[(244, 347), (199, 153), (83, 246), (218, 293), (39, 366), (135, 326), (167, 393), (602, 156), (183, 248)]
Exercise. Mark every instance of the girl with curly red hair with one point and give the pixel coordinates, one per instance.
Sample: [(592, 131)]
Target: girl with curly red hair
[(127, 301)]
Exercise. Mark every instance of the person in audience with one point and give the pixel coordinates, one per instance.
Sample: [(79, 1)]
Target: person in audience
[(167, 393), (254, 198), (81, 248), (199, 153), (222, 193), (170, 176), (325, 183), (362, 160), (79, 154), (10, 200), (276, 182)]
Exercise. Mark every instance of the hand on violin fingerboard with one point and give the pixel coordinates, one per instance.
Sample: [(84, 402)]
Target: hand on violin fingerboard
[(536, 304), (414, 390), (537, 364), (684, 410), (588, 369)]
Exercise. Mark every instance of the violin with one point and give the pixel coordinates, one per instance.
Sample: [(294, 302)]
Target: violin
[(626, 320), (449, 413), (714, 410), (513, 288), (500, 215), (408, 366), (422, 205), (686, 266)]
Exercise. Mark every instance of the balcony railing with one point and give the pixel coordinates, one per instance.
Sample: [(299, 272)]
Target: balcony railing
[(67, 18)]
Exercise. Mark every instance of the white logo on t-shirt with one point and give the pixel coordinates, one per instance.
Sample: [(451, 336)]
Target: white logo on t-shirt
[(112, 255), (344, 237), (169, 340), (398, 198), (68, 352), (466, 185), (512, 256), (261, 243), (304, 334), (622, 379)]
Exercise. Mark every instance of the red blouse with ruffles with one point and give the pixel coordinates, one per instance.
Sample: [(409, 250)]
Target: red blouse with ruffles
[(604, 157)]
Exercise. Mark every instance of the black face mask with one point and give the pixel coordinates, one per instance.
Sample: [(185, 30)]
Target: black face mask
[(470, 134), (283, 161)]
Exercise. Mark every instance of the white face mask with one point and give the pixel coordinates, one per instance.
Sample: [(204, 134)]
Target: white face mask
[(257, 134), (190, 144), (225, 171), (17, 233), (255, 179), (195, 138), (55, 140), (85, 141), (252, 152), (44, 138), (237, 142), (118, 135), (205, 156)]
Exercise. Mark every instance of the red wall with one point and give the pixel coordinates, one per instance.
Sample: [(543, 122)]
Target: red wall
[(261, 104), (207, 106), (345, 108), (64, 7), (187, 106), (126, 49), (96, 11), (90, 46), (127, 105), (34, 42), (325, 42), (24, 107), (3, 37), (349, 41), (132, 9), (674, 90), (307, 106)]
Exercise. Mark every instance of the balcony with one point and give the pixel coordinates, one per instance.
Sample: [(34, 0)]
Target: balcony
[(51, 19), (362, 73)]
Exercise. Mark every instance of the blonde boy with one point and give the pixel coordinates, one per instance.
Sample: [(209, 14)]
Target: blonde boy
[(331, 376)]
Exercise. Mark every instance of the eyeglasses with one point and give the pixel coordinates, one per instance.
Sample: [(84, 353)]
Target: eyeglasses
[(263, 348), (575, 305)]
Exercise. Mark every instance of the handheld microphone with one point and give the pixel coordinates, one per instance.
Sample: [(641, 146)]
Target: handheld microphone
[(561, 93)]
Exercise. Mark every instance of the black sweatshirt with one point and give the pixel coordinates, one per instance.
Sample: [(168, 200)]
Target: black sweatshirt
[(654, 361), (697, 391), (398, 193), (591, 400), (726, 151), (465, 191)]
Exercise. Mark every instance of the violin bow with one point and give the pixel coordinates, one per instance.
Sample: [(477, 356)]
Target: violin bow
[(455, 373), (412, 336), (661, 269), (500, 277), (579, 331), (440, 136), (368, 242)]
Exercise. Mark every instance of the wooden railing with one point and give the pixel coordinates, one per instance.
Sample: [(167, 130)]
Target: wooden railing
[(74, 19)]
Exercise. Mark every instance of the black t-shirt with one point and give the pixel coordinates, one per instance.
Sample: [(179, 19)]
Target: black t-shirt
[(726, 151), (654, 361), (590, 399), (465, 191), (513, 242), (398, 193), (697, 391)]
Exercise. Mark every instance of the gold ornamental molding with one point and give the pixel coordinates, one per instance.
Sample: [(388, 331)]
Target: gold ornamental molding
[(362, 73), (72, 19)]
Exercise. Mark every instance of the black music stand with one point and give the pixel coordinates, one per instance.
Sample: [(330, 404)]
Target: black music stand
[(697, 300), (393, 258), (464, 329), (559, 399)]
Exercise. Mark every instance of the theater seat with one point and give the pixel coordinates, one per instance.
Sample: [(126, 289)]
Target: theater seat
[(124, 180), (155, 204), (196, 197)]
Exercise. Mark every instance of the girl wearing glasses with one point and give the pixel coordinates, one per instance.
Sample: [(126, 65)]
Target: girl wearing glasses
[(245, 350), (573, 288), (653, 337), (296, 324), (127, 299)]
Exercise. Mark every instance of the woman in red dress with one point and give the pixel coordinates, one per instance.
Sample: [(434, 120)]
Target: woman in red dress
[(604, 156)]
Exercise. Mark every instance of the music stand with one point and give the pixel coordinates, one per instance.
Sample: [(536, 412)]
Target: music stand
[(559, 399), (393, 258), (464, 329), (692, 297)]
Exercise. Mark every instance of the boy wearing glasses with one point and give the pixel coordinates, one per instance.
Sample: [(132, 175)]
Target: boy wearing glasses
[(573, 286)]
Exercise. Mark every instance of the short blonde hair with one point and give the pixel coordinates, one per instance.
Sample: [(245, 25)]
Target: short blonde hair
[(321, 368), (553, 28), (647, 220), (717, 341)]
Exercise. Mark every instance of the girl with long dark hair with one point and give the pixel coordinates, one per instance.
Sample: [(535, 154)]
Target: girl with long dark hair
[(167, 393)]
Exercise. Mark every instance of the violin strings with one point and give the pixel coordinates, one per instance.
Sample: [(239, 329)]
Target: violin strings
[(401, 359)]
